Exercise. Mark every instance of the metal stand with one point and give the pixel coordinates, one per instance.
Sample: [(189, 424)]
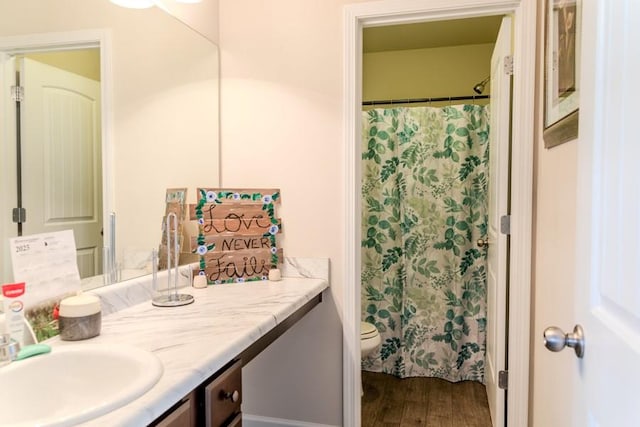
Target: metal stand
[(171, 299), (175, 300)]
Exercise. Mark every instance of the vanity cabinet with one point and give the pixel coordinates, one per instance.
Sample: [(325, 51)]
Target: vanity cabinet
[(214, 403), (223, 397), (184, 415)]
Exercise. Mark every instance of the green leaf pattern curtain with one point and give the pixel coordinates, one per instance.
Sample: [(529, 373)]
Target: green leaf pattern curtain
[(424, 188)]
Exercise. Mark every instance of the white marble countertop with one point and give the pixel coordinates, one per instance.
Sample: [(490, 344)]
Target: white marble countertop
[(195, 341)]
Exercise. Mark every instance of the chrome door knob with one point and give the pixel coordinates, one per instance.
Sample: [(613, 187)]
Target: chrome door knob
[(555, 339), (482, 243)]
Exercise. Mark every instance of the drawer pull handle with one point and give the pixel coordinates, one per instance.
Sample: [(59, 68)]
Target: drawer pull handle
[(234, 396)]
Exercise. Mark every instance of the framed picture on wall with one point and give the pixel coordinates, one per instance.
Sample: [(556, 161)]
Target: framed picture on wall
[(562, 71)]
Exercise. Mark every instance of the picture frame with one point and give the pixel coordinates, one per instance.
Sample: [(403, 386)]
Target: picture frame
[(561, 71)]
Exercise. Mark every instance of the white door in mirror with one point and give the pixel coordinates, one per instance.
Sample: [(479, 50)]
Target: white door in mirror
[(62, 158)]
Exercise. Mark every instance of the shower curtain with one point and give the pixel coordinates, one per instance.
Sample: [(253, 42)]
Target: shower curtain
[(424, 189)]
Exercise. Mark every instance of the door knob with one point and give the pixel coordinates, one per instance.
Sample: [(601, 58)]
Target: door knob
[(482, 243), (234, 397), (555, 339)]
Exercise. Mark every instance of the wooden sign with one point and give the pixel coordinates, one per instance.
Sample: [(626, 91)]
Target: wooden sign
[(218, 211), (241, 226), (236, 241), (238, 266), (175, 199), (220, 243), (243, 195)]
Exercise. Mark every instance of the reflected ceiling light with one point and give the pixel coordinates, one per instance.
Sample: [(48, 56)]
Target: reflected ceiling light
[(134, 4), (479, 88)]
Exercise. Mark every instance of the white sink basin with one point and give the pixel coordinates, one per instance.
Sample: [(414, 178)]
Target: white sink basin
[(74, 383)]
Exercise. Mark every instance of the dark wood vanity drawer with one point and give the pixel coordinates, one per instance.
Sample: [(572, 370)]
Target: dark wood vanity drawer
[(223, 396), (184, 415), (236, 422)]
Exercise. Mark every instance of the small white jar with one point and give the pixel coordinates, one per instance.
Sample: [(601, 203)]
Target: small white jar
[(80, 317), (275, 275)]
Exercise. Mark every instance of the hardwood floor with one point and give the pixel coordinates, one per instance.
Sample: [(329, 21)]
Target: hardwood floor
[(417, 402)]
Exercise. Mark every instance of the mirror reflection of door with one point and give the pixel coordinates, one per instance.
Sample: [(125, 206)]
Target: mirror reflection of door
[(61, 154)]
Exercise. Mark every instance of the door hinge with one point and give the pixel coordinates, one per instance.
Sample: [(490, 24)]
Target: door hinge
[(505, 224), (503, 379), (508, 65), (17, 93), (19, 215)]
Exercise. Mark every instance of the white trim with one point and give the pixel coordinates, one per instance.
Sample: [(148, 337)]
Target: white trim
[(74, 40), (405, 11), (257, 421), (521, 213), (351, 374), (51, 41)]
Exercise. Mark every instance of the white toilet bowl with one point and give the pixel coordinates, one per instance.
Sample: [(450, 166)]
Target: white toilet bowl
[(369, 342), (369, 338)]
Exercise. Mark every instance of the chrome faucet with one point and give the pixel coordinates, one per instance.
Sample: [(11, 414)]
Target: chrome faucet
[(109, 264), (8, 349)]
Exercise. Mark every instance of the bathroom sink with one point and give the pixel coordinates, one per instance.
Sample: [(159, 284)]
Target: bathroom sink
[(74, 383)]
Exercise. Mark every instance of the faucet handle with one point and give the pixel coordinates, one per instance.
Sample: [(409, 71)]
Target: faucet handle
[(8, 348), (5, 339)]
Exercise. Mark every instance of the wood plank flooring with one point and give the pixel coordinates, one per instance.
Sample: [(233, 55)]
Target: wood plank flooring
[(418, 402)]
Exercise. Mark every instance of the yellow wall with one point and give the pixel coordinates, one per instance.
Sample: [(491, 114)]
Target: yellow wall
[(422, 73), (84, 62)]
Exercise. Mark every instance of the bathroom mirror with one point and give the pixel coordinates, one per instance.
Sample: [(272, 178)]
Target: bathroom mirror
[(159, 121)]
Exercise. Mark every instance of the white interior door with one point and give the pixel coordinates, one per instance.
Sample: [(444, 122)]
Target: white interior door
[(608, 275), (498, 206), (61, 158)]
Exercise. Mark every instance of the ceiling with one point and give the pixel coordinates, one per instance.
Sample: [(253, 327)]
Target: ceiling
[(432, 34)]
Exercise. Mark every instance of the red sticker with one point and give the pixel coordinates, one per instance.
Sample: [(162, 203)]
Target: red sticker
[(13, 290)]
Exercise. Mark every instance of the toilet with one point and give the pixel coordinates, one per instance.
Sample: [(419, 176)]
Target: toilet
[(369, 338), (369, 342)]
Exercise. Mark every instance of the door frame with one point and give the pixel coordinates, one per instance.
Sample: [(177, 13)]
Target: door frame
[(497, 258), (58, 41), (388, 12)]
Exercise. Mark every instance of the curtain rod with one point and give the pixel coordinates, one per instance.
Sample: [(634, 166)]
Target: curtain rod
[(415, 100)]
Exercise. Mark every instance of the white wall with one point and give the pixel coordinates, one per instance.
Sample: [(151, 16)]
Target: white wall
[(202, 17), (166, 124), (281, 91), (553, 271), (554, 275), (281, 126)]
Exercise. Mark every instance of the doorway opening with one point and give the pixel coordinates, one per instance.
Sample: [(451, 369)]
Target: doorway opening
[(371, 14), (55, 141), (430, 146)]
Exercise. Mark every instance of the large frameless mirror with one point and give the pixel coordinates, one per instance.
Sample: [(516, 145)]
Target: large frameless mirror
[(118, 105)]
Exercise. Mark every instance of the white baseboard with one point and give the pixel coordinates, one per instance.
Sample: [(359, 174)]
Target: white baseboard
[(257, 421)]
